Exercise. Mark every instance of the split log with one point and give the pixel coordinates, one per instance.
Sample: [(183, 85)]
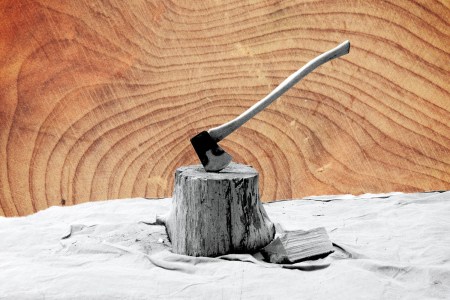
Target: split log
[(298, 245), (217, 213)]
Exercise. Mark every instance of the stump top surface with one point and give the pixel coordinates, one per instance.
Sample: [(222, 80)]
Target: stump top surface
[(232, 171)]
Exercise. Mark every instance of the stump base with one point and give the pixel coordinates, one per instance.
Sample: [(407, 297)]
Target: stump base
[(217, 213)]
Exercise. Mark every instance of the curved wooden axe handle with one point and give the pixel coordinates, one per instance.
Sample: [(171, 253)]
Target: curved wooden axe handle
[(220, 132)]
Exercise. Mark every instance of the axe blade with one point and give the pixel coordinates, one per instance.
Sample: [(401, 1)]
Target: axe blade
[(211, 155)]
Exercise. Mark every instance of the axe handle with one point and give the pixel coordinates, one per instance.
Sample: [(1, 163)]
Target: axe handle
[(220, 132)]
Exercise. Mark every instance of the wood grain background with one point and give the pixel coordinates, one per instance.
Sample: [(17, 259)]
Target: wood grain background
[(98, 99)]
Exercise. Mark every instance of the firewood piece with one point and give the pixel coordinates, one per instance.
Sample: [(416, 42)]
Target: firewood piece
[(298, 245), (217, 213)]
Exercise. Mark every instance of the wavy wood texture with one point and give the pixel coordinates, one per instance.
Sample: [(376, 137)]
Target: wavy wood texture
[(99, 98)]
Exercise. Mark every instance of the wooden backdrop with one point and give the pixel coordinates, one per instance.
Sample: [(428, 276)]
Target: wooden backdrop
[(98, 98)]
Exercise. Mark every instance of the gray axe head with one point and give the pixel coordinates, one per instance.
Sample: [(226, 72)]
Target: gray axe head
[(212, 157)]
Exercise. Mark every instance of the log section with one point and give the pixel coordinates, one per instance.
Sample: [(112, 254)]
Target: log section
[(217, 213), (98, 99)]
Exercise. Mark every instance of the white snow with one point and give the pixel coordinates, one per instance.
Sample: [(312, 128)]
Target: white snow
[(388, 246)]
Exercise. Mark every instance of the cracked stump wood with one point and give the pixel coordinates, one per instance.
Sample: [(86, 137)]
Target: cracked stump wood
[(217, 213)]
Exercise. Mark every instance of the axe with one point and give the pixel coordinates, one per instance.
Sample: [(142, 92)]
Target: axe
[(211, 155)]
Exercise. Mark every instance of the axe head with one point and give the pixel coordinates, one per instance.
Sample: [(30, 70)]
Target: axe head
[(213, 157)]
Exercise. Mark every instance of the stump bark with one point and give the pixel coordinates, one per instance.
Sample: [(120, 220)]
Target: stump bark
[(217, 213)]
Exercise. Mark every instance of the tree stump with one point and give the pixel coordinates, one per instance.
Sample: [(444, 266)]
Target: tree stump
[(217, 213)]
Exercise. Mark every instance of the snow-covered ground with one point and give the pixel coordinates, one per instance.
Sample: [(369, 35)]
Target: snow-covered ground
[(388, 246)]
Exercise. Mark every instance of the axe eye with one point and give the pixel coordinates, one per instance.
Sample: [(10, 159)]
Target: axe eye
[(217, 151)]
